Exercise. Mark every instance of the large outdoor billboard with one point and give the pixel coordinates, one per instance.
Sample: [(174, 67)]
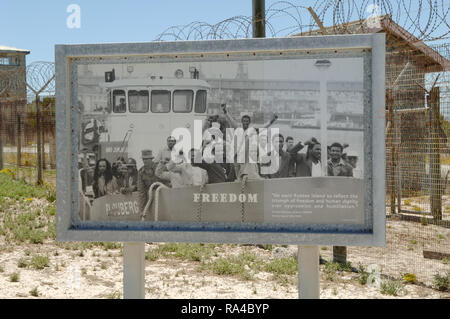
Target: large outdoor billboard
[(255, 140)]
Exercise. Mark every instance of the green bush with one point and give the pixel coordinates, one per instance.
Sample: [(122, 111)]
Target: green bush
[(240, 265), (39, 262), (22, 263), (152, 255), (410, 278), (330, 270), (115, 295), (363, 274), (111, 245), (14, 277), (392, 287), (19, 189), (50, 193), (37, 236), (424, 221), (185, 251), (441, 283), (34, 292), (282, 266), (7, 172), (223, 266)]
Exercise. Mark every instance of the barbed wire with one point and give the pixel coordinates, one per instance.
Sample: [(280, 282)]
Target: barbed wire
[(428, 20), (41, 78)]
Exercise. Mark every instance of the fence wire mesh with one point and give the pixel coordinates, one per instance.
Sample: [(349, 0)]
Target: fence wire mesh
[(417, 161), (19, 136)]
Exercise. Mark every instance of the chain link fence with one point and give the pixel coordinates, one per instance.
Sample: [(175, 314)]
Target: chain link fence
[(19, 139), (418, 162), (27, 120)]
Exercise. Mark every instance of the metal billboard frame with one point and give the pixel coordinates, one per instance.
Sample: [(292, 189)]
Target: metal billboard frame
[(69, 228)]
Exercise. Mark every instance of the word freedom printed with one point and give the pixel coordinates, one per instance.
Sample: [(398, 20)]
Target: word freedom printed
[(225, 198), (241, 146)]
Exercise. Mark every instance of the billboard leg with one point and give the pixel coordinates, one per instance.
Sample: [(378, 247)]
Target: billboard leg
[(308, 272), (133, 271)]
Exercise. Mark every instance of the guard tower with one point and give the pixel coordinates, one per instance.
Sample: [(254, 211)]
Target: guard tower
[(13, 92)]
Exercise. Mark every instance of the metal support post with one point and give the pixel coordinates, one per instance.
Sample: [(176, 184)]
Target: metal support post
[(308, 272), (133, 271)]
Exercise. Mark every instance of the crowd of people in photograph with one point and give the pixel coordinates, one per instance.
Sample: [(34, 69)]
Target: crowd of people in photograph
[(192, 169)]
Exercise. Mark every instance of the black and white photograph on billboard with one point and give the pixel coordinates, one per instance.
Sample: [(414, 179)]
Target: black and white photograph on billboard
[(259, 141)]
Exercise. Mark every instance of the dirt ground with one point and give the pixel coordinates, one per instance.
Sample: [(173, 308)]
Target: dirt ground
[(96, 272)]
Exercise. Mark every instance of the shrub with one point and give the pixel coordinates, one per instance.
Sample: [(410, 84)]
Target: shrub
[(441, 283), (424, 221), (50, 192), (410, 278), (363, 274), (152, 254), (222, 266), (34, 292), (37, 236), (22, 263), (115, 295), (39, 262), (111, 245), (14, 277), (19, 189), (185, 251), (392, 287), (282, 266), (8, 172), (330, 270)]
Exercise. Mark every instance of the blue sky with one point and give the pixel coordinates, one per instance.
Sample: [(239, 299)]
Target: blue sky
[(38, 25)]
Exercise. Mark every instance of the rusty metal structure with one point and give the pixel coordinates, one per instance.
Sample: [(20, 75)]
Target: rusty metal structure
[(27, 123), (12, 93), (414, 130)]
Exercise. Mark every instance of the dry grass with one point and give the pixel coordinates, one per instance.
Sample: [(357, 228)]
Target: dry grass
[(179, 270)]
